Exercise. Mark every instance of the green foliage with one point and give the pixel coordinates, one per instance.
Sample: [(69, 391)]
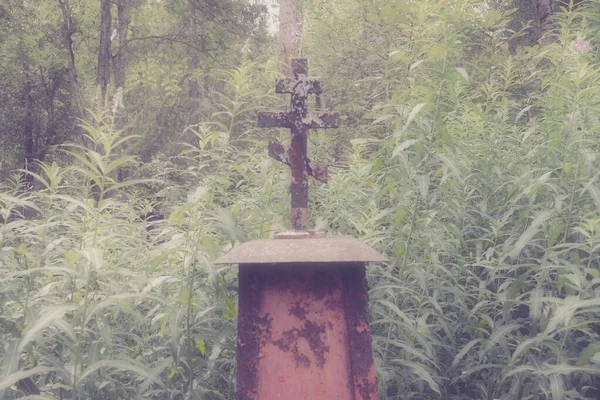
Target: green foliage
[(99, 302), (476, 167), (470, 163), (175, 50)]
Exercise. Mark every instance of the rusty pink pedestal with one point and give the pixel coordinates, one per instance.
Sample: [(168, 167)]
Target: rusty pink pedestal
[(303, 328)]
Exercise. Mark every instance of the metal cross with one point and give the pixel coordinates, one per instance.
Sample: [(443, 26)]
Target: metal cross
[(299, 120)]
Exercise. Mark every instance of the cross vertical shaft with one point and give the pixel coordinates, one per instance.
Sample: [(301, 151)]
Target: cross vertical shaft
[(299, 120), (299, 185)]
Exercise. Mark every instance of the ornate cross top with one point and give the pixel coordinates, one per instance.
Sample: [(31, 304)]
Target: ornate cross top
[(299, 120)]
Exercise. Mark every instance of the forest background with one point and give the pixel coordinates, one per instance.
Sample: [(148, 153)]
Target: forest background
[(130, 159)]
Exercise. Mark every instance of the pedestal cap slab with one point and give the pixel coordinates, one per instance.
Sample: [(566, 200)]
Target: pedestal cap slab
[(333, 249)]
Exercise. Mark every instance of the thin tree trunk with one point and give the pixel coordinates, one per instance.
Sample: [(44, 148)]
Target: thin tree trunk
[(29, 127), (120, 59), (195, 88), (47, 119), (544, 9), (290, 32), (68, 30), (195, 62), (104, 56)]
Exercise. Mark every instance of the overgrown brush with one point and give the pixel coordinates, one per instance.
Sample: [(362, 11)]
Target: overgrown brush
[(473, 166), (98, 299), (478, 172)]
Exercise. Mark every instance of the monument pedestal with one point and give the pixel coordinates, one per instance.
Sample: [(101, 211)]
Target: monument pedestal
[(303, 329)]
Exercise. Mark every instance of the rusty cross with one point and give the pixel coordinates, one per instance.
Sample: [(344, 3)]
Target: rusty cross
[(299, 120)]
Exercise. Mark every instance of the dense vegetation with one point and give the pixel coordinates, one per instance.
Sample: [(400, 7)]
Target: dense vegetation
[(468, 155)]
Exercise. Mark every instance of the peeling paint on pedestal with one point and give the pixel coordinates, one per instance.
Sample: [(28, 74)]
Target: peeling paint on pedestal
[(303, 331)]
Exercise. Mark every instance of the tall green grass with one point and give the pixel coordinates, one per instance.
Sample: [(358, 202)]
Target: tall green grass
[(472, 166)]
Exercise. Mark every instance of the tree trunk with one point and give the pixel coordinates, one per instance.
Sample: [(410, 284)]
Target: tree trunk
[(104, 56), (544, 9), (47, 118), (120, 58), (29, 127), (290, 33), (68, 29), (194, 85), (195, 62)]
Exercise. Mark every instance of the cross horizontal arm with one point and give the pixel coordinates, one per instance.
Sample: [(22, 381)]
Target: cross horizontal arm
[(306, 86), (284, 119), (274, 119)]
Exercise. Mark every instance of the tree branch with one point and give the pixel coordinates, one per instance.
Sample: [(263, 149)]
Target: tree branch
[(170, 39)]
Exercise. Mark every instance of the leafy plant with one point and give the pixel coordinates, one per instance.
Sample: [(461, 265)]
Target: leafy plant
[(469, 161)]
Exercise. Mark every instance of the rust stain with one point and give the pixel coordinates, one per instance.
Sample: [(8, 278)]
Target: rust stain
[(299, 310), (362, 327), (298, 342), (359, 335), (312, 333), (307, 336), (249, 342)]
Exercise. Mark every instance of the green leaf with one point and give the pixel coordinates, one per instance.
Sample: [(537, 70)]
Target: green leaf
[(522, 112), (557, 386), (420, 372), (184, 296), (529, 233), (497, 336), (595, 193), (423, 182), (466, 348), (15, 377), (586, 355), (413, 113), (94, 257), (403, 146), (382, 119), (523, 346), (200, 345), (415, 65), (463, 72), (121, 365), (46, 319), (73, 256), (76, 297)]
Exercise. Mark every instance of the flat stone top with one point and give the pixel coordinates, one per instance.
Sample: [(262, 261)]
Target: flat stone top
[(306, 250)]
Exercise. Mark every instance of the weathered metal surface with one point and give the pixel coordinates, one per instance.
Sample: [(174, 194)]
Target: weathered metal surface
[(299, 120), (299, 235), (297, 328), (287, 85), (317, 250), (356, 309), (311, 120)]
